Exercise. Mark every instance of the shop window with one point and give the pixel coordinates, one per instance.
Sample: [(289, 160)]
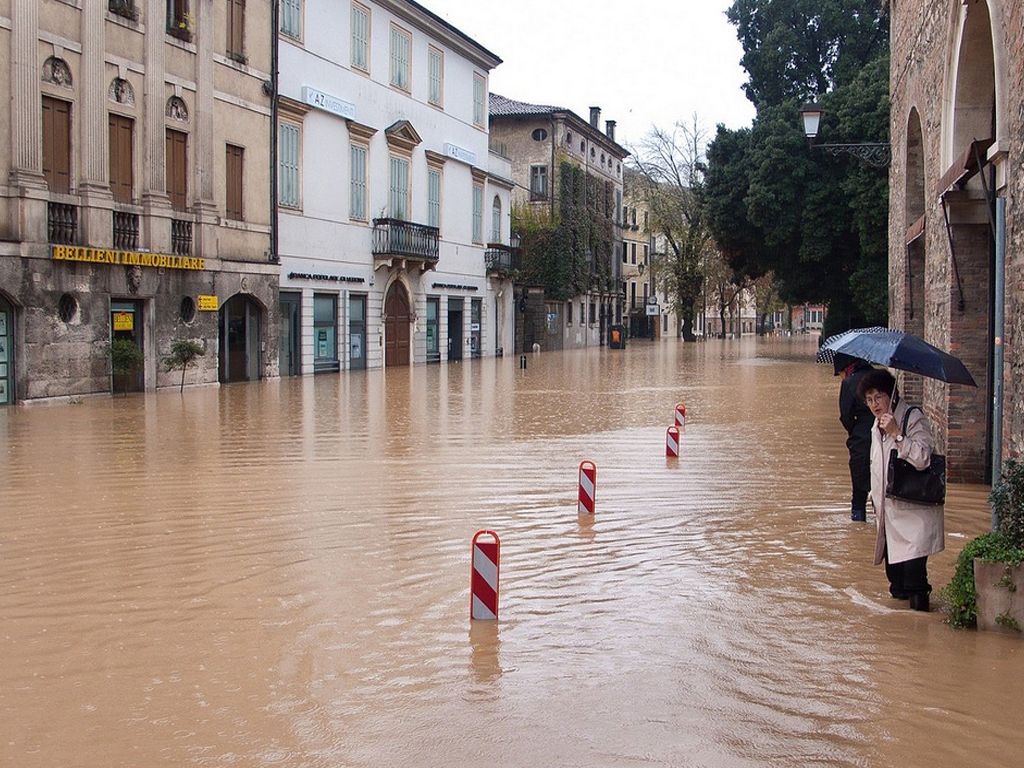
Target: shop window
[(325, 332)]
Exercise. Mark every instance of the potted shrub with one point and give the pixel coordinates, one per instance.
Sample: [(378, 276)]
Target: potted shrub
[(126, 360), (184, 353), (987, 588)]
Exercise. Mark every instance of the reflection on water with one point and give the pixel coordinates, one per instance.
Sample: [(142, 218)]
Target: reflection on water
[(277, 573)]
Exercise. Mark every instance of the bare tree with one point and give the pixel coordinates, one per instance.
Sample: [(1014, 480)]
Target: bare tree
[(670, 164)]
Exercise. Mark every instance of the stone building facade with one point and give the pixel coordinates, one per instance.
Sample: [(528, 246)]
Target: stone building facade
[(956, 217), (538, 139), (134, 201), (394, 215)]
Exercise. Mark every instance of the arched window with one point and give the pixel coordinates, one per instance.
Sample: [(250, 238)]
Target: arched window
[(496, 220)]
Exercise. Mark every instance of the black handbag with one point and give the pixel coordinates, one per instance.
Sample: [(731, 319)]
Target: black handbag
[(921, 486)]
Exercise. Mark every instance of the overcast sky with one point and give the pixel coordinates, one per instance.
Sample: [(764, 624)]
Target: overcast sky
[(643, 62)]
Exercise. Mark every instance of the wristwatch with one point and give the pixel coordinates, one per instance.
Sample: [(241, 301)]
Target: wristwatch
[(899, 438)]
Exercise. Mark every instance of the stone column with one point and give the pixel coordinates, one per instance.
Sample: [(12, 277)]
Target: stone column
[(26, 123), (94, 185), (155, 203), (203, 148)]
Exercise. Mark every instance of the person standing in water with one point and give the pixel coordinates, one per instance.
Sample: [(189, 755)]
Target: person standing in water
[(907, 531), (857, 418)]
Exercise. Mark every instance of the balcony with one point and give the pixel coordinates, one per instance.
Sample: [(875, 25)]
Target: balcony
[(501, 260), (181, 237), (397, 242), (61, 223), (126, 231)]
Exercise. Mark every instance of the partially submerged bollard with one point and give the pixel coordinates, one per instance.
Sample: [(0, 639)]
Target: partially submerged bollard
[(680, 415), (522, 361), (483, 584), (587, 488), (672, 442)]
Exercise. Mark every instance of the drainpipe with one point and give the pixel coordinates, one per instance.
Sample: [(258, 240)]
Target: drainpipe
[(275, 257), (997, 352)]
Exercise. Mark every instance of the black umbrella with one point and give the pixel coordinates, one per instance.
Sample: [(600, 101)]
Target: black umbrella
[(826, 354), (900, 350)]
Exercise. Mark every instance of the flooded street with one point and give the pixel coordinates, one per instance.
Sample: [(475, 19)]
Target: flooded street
[(277, 574)]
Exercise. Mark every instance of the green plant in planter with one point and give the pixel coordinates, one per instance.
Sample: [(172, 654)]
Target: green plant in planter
[(126, 358), (184, 353), (1004, 545)]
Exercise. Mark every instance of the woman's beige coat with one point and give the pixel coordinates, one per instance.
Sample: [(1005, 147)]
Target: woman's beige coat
[(908, 530)]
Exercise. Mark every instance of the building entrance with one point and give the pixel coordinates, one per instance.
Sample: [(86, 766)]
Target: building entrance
[(396, 326), (126, 324), (240, 336), (6, 352)]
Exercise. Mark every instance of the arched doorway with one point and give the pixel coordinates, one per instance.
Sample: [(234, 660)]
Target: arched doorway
[(6, 352), (967, 199), (240, 339), (397, 325)]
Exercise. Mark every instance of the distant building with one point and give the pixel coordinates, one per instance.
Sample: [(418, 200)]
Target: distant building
[(394, 213), (956, 217), (548, 145), (135, 204)]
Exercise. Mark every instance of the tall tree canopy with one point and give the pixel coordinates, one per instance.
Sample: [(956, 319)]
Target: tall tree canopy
[(775, 204), (669, 170)]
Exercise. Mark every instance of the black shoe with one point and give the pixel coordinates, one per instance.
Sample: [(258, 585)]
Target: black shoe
[(859, 515), (919, 602), (899, 595)]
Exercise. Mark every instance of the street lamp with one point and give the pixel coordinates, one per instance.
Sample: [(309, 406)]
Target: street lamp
[(876, 154)]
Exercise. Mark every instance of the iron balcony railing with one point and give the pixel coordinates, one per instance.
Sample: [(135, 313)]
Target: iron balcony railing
[(394, 237), (61, 223), (501, 259)]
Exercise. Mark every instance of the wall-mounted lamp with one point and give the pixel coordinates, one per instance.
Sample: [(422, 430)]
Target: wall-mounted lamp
[(515, 240), (876, 154)]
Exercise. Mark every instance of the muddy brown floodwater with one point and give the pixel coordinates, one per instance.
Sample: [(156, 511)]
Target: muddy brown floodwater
[(277, 574)]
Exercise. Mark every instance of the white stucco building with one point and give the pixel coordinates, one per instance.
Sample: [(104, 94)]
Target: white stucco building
[(393, 213)]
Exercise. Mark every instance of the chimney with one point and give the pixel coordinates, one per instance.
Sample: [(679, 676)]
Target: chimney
[(595, 117), (609, 129)]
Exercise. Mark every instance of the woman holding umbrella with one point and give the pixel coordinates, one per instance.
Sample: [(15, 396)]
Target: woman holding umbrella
[(907, 531)]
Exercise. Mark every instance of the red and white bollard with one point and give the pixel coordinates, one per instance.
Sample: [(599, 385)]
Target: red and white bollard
[(680, 415), (672, 442), (483, 584), (588, 488)]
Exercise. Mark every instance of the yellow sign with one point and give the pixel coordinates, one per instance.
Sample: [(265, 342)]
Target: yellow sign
[(208, 303), (124, 321), (127, 258)]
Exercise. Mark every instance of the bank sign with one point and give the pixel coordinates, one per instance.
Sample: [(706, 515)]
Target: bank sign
[(328, 103), (127, 258)]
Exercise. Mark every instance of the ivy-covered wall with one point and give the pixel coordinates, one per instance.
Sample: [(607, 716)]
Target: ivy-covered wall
[(571, 253)]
